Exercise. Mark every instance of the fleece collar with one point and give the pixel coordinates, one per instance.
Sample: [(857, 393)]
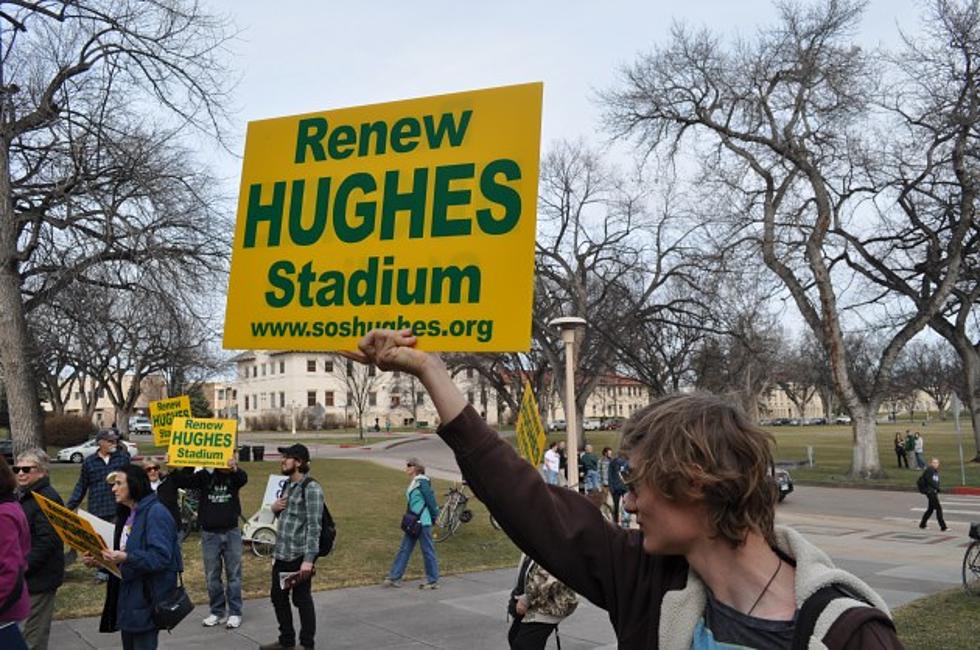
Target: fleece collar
[(681, 609)]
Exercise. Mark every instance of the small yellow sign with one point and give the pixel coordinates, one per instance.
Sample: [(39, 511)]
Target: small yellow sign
[(75, 531), (531, 439), (417, 214), (163, 412), (196, 442)]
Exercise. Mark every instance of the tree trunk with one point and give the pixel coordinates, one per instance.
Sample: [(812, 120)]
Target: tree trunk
[(865, 462), (18, 374)]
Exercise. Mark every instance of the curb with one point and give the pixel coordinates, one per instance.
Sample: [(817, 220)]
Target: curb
[(965, 489)]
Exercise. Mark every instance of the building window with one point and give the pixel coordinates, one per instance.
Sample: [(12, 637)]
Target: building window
[(350, 368), (396, 401), (328, 365), (420, 399), (282, 367), (469, 396), (311, 365), (372, 398), (371, 371), (246, 402), (234, 393), (282, 400), (350, 398), (311, 398), (255, 371), (396, 373), (469, 373), (328, 398)]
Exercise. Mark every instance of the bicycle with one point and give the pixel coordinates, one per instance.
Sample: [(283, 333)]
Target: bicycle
[(971, 562), (454, 513)]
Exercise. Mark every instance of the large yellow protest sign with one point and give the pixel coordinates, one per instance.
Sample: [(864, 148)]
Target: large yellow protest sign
[(417, 214), (196, 442), (75, 531), (531, 439), (163, 412)]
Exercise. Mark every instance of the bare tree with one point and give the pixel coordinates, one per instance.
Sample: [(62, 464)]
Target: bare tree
[(781, 120), (94, 97), (930, 368), (361, 383)]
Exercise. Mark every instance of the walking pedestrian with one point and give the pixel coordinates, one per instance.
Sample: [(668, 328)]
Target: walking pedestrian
[(617, 469), (928, 485), (147, 552), (15, 540), (300, 512), (422, 503), (219, 509), (707, 565), (590, 464), (46, 561), (604, 461), (900, 451), (552, 464), (920, 461), (538, 603), (92, 481)]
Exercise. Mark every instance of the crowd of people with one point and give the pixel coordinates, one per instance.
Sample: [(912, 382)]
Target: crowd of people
[(704, 564)]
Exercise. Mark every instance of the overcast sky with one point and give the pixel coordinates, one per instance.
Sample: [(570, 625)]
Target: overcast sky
[(299, 56)]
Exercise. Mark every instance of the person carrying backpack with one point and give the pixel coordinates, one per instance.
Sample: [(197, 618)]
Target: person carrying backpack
[(298, 544), (538, 603), (420, 514), (928, 485)]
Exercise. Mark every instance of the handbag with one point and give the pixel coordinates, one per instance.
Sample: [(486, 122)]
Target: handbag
[(412, 522), (167, 613)]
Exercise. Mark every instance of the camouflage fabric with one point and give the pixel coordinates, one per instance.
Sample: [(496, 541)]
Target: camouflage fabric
[(547, 596)]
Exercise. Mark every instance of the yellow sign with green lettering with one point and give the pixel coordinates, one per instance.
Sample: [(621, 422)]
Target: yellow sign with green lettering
[(163, 412), (418, 214), (197, 442)]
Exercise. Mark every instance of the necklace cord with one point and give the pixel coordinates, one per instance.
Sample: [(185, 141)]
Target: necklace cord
[(766, 588)]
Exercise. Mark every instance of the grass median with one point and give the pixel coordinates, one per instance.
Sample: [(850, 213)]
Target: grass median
[(944, 620), (367, 502)]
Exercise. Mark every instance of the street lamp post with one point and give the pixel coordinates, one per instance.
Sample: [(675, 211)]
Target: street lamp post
[(570, 326)]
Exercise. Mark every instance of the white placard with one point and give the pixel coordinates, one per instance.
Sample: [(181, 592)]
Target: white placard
[(274, 488)]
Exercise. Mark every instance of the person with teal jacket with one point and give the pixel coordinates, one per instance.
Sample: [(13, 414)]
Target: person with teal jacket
[(422, 502)]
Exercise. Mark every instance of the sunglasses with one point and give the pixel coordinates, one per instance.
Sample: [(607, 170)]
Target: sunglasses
[(153, 469), (23, 469)]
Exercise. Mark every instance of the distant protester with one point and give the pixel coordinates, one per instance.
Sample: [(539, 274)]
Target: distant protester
[(538, 603), (707, 567), (46, 561)]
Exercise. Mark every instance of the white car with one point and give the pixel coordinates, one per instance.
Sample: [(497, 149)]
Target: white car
[(591, 424), (78, 453), (140, 424)]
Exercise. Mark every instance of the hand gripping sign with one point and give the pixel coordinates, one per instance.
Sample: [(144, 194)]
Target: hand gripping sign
[(197, 442), (163, 412), (416, 214), (75, 531)]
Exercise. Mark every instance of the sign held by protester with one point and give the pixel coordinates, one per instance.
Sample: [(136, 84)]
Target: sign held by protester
[(198, 442), (274, 488), (75, 531), (417, 214), (531, 439), (163, 412)]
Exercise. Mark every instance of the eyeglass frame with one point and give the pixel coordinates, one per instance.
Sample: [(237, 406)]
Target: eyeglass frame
[(24, 469)]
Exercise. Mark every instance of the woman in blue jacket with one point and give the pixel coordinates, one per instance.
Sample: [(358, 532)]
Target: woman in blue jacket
[(148, 556), (422, 502)]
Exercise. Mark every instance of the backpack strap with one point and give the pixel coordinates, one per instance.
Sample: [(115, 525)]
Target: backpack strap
[(814, 606)]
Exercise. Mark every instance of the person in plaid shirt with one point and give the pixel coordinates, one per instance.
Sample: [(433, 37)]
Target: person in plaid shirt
[(300, 509)]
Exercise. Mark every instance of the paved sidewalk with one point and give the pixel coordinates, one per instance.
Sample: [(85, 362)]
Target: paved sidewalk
[(467, 612)]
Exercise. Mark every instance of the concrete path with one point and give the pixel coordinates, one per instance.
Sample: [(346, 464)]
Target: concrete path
[(467, 612)]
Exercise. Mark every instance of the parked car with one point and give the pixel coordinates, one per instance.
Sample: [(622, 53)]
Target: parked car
[(557, 425), (78, 453), (612, 423), (7, 450), (842, 419), (784, 482), (591, 424), (140, 424)]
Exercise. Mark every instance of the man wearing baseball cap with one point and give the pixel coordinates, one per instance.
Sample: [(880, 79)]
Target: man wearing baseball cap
[(92, 480), (299, 510)]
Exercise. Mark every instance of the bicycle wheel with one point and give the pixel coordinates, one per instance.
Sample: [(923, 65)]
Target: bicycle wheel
[(263, 542), (493, 522), (447, 522), (971, 569)]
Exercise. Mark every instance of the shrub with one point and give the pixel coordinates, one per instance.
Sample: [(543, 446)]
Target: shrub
[(67, 430)]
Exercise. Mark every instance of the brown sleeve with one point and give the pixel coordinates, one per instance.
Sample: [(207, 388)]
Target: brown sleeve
[(863, 628), (561, 529)]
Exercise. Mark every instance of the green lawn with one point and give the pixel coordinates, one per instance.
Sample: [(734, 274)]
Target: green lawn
[(367, 502), (945, 620)]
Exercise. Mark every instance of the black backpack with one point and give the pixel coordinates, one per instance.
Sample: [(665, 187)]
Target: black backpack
[(923, 484), (328, 530)]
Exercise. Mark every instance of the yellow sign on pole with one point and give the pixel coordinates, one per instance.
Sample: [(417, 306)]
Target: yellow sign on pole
[(163, 412), (531, 439), (417, 214), (75, 531), (196, 442)]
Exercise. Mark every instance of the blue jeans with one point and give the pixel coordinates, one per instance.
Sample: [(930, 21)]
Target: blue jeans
[(217, 549), (592, 482), (551, 477), (428, 555), (11, 638), (919, 460)]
